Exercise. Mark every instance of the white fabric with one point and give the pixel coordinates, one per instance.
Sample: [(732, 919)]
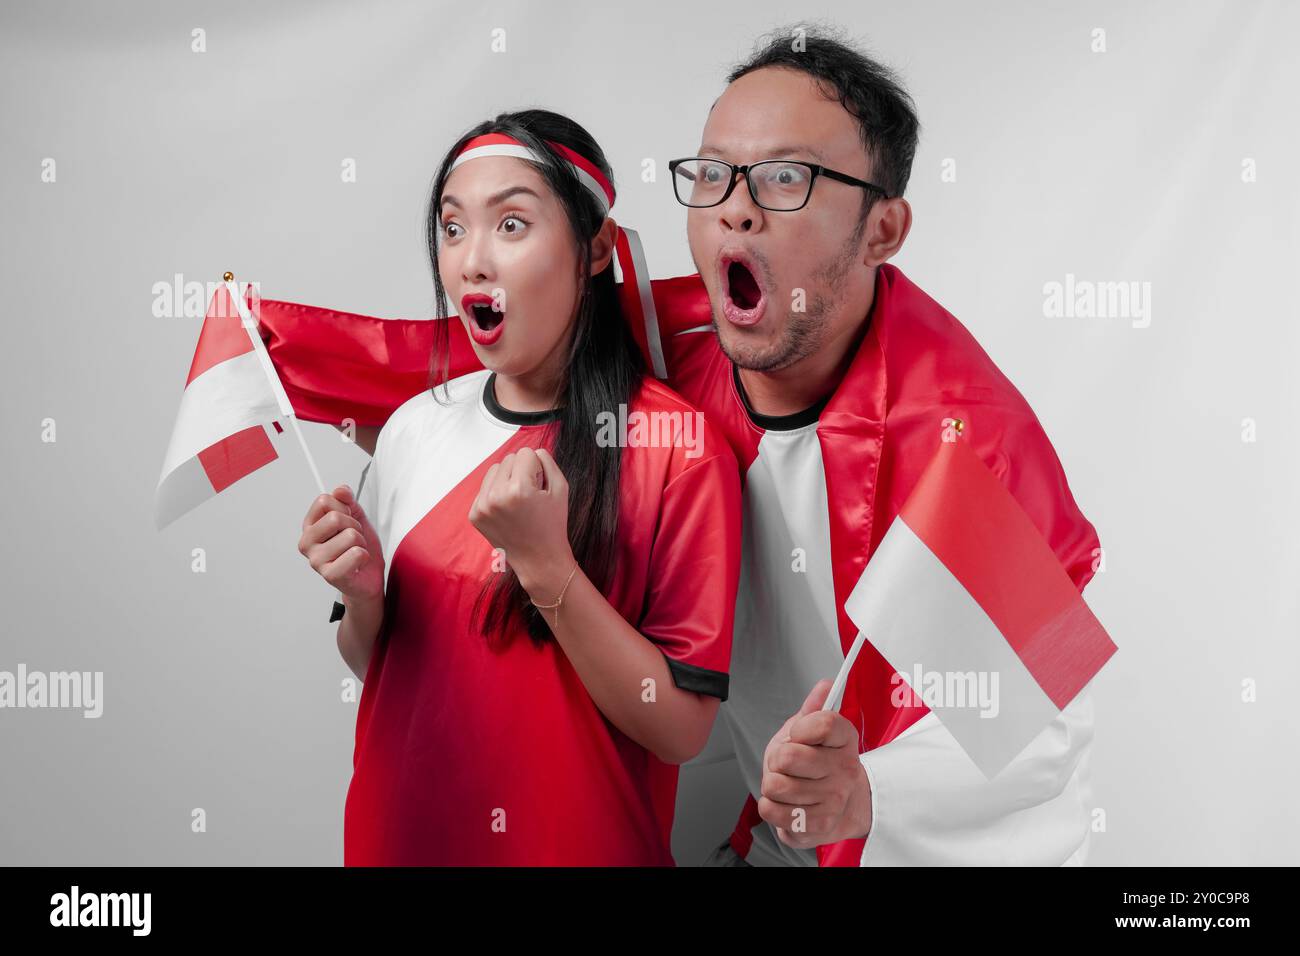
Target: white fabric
[(919, 616), (182, 489), (933, 807), (645, 293), (520, 151), (786, 636), (424, 450), (224, 399)]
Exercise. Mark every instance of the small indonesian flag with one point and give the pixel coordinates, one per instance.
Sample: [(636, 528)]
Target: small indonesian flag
[(970, 606), (232, 393)]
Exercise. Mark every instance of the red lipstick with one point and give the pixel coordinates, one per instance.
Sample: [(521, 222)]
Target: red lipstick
[(485, 324)]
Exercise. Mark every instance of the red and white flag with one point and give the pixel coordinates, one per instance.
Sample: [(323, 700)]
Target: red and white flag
[(969, 605), (231, 395)]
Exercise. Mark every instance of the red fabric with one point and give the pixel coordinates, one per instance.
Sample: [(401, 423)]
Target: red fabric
[(222, 336), (742, 837), (931, 368), (992, 548), (916, 366), (628, 299), (339, 365), (230, 459), (577, 159)]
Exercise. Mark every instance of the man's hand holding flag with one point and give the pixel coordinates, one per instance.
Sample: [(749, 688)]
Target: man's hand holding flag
[(815, 789)]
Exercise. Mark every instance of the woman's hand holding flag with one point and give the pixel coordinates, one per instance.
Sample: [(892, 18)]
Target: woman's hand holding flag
[(343, 547)]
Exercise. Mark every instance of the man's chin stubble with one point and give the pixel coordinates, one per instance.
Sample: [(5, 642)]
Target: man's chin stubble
[(799, 339), (802, 333)]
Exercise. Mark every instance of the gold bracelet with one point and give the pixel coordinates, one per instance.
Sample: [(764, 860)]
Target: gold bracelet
[(560, 599)]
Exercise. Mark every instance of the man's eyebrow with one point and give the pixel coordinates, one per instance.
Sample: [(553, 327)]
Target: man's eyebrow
[(496, 198), (778, 153)]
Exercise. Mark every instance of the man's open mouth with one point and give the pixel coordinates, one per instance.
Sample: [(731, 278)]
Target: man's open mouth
[(743, 300), (742, 287)]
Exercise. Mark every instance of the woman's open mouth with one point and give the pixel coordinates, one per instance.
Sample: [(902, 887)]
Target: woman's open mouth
[(743, 299), (485, 323)]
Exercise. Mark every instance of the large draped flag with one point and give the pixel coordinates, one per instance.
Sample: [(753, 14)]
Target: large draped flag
[(231, 395), (342, 367), (968, 603)]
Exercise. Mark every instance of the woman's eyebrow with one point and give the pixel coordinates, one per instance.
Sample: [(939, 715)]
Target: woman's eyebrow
[(496, 198)]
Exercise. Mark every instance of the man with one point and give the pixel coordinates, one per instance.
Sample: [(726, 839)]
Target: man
[(833, 377)]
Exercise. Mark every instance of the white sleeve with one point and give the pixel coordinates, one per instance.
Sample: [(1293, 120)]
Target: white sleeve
[(931, 806)]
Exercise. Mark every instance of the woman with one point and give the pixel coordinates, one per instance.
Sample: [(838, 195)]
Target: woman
[(542, 617)]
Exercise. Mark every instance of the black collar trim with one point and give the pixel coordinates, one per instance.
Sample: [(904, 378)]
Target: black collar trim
[(509, 416), (778, 423)]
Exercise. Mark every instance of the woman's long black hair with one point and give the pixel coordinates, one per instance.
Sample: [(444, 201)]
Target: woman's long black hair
[(603, 368)]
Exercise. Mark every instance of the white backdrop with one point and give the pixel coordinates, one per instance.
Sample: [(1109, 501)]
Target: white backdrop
[(1162, 150)]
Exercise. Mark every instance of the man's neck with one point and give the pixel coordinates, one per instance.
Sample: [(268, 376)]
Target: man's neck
[(790, 390)]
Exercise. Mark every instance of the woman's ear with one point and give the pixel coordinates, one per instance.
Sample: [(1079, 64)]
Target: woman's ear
[(602, 246)]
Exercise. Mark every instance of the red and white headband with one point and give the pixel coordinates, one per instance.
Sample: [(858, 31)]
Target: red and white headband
[(499, 144)]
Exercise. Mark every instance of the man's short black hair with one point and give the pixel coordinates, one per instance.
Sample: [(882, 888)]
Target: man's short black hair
[(870, 91)]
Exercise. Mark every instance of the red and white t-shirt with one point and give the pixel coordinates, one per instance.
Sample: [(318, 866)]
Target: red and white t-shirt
[(468, 753)]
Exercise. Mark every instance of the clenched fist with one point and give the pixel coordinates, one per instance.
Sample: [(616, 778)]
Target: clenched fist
[(523, 509)]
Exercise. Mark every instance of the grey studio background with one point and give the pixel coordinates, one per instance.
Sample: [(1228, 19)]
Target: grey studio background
[(1169, 157)]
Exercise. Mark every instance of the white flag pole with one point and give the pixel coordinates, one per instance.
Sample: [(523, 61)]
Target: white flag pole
[(286, 409), (250, 326), (836, 696)]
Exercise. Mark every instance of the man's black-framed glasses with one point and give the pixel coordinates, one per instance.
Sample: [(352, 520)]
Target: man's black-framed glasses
[(781, 185)]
